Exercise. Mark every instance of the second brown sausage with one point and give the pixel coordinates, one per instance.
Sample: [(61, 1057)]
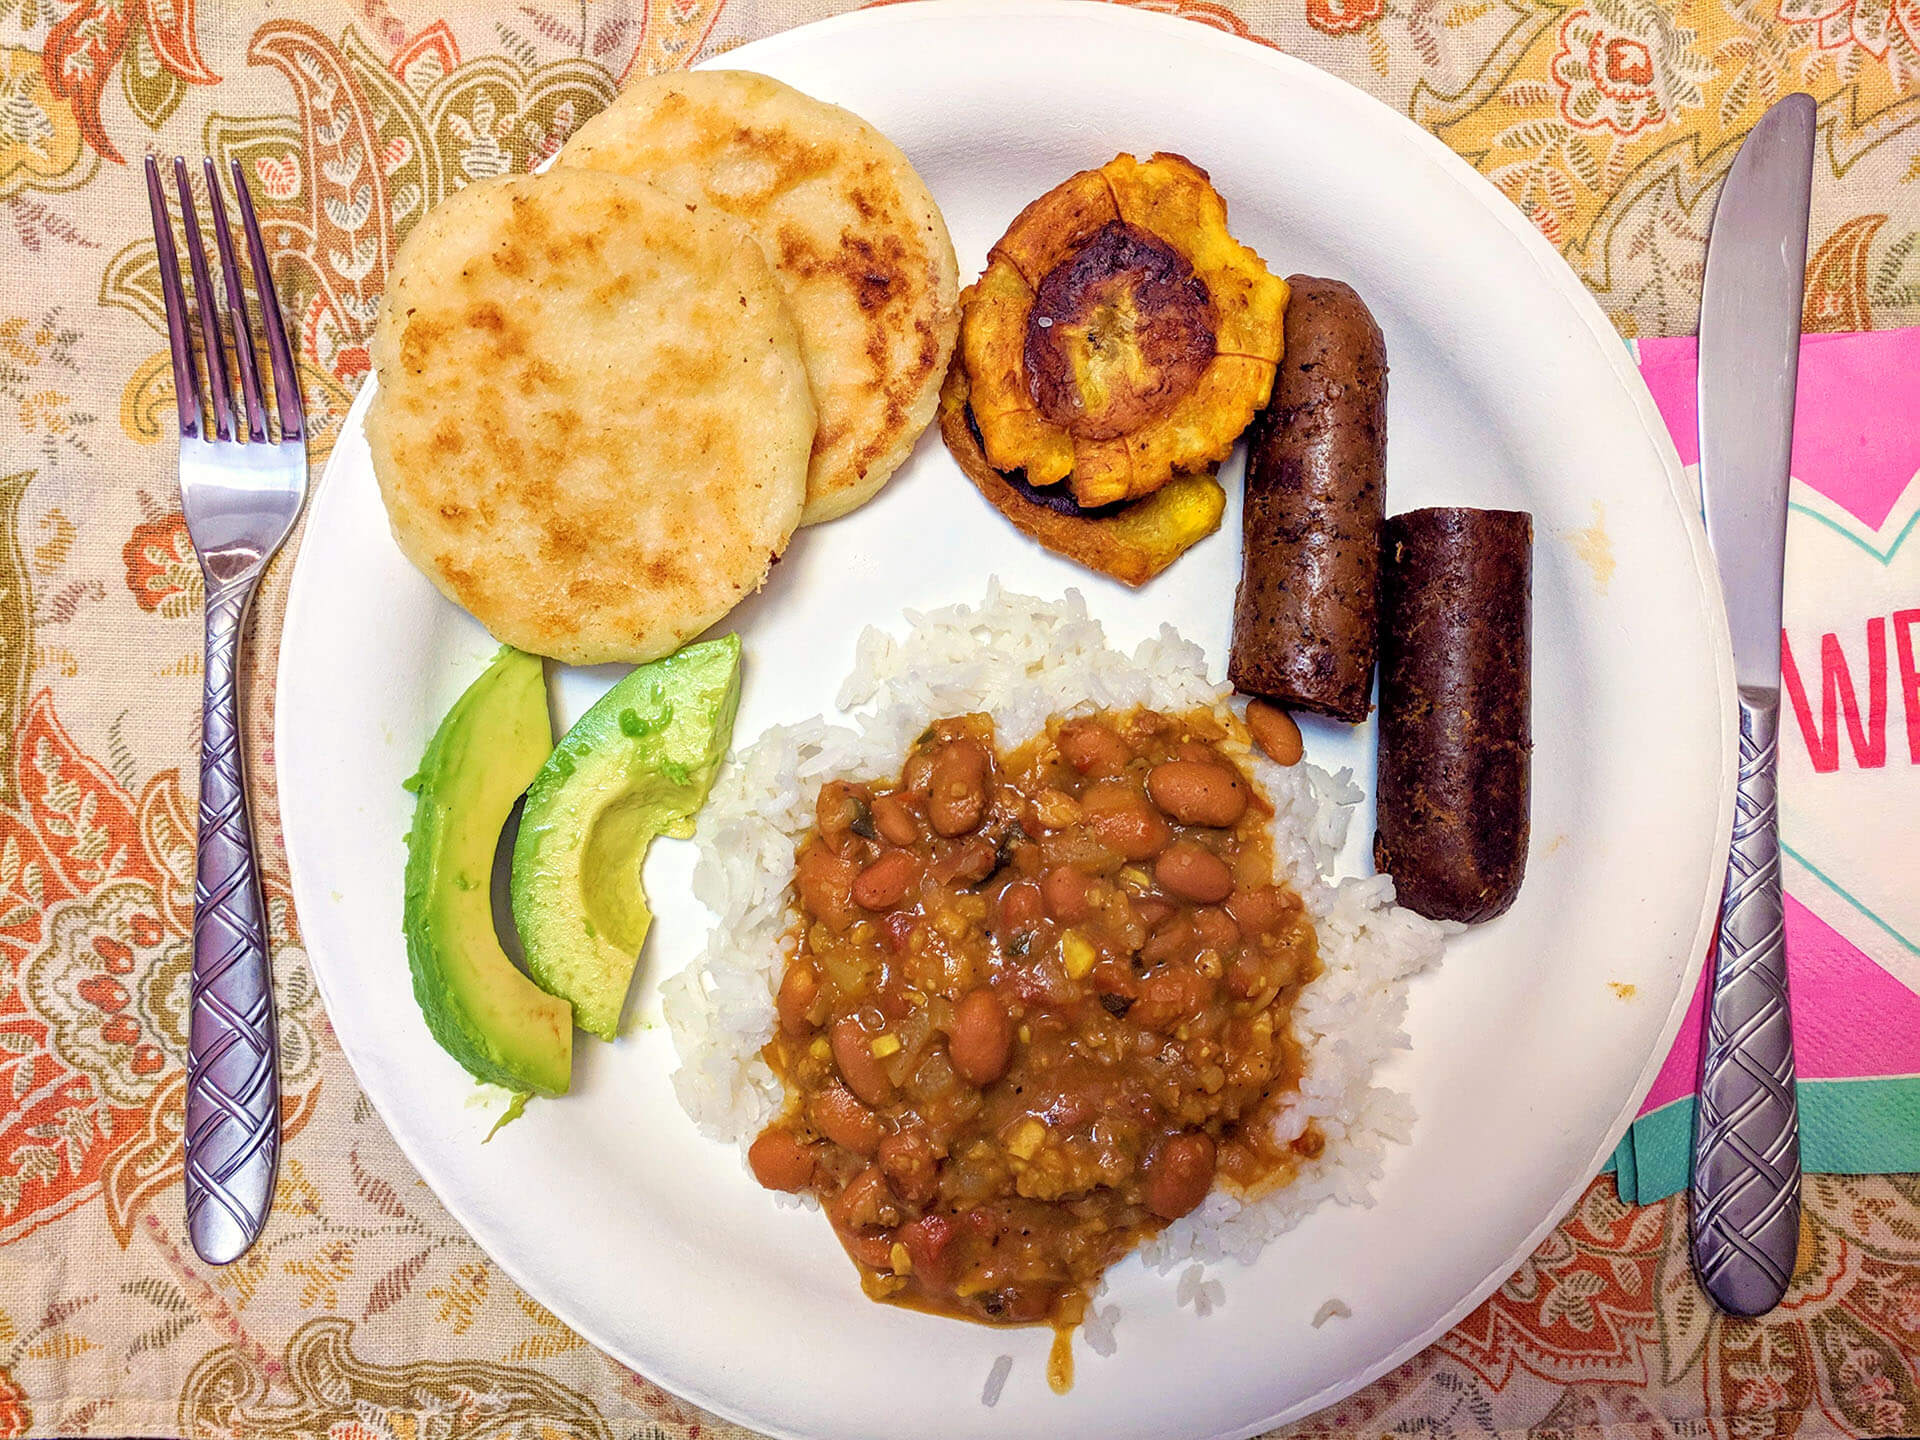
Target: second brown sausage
[(1304, 622), (1455, 710)]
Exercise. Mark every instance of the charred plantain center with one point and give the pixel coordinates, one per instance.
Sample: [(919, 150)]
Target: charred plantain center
[(1120, 330)]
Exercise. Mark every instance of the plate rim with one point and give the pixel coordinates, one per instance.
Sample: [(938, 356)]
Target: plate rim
[(1123, 14)]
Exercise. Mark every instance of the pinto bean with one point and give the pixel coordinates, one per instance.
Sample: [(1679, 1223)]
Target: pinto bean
[(927, 1240), (780, 1162), (853, 1056), (1262, 907), (1064, 889), (1193, 874), (895, 820), (911, 1167), (885, 883), (1216, 927), (836, 812), (1092, 748), (866, 1202), (871, 1248), (822, 880), (1179, 1174), (1198, 792), (1169, 996), (969, 862), (981, 1042), (958, 797), (845, 1121), (799, 988), (897, 930), (1150, 910), (1275, 732), (1123, 821), (1021, 907), (916, 776), (1171, 940)]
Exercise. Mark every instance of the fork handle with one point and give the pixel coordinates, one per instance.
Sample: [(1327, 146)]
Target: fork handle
[(233, 1088), (1746, 1144)]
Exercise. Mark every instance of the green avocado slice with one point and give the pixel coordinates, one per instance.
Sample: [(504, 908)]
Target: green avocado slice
[(484, 1012), (638, 764)]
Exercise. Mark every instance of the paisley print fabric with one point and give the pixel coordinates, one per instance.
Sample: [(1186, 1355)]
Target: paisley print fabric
[(365, 1313)]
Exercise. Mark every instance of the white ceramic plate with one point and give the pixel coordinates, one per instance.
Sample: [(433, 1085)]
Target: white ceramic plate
[(1531, 1045)]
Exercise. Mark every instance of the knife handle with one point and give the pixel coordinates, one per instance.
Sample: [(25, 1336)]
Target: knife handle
[(1746, 1136)]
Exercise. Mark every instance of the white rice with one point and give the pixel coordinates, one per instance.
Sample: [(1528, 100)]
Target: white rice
[(1023, 660), (1096, 1328), (996, 1381), (1335, 1309)]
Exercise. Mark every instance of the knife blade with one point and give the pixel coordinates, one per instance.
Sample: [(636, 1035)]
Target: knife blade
[(1746, 1156)]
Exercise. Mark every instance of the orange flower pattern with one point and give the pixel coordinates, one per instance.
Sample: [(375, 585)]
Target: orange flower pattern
[(15, 1417), (1627, 78), (364, 1312), (85, 48), (1340, 17), (161, 571)]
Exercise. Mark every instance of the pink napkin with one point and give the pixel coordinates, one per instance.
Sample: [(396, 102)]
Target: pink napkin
[(1850, 763)]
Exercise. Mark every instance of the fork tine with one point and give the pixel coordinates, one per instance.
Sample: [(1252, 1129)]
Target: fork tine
[(286, 380), (237, 310), (186, 381), (212, 345)]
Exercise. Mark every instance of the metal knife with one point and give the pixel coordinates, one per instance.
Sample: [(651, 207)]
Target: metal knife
[(1746, 1138)]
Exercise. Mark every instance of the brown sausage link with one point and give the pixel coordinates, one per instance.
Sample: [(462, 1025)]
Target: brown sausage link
[(1304, 622), (1455, 703)]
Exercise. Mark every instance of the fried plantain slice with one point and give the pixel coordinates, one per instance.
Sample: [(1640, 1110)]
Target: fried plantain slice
[(1132, 541), (1120, 336)]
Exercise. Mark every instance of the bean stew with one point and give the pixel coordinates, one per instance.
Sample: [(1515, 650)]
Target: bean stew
[(1037, 1005)]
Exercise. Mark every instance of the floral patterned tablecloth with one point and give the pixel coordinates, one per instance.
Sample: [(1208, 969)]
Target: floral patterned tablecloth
[(365, 1312)]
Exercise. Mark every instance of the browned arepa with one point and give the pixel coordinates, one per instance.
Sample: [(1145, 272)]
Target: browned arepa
[(1305, 619), (1455, 710)]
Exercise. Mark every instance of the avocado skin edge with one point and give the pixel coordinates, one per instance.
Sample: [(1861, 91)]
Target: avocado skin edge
[(447, 974)]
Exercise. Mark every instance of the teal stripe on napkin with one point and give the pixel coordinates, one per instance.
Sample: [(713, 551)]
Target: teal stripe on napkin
[(1847, 1127)]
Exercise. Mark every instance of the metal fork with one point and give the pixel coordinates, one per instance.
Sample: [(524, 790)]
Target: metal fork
[(240, 494)]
